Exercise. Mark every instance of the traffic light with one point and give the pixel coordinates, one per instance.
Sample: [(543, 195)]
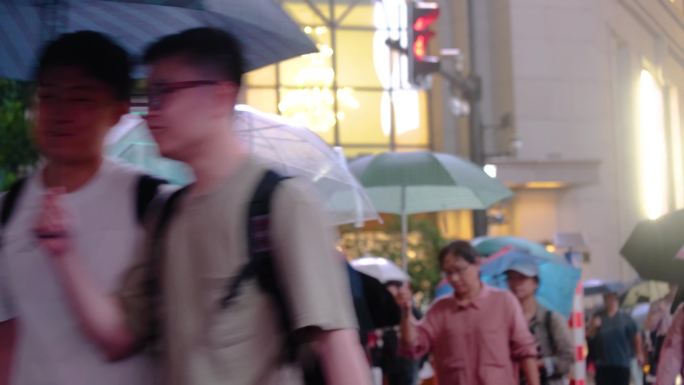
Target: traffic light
[(421, 17)]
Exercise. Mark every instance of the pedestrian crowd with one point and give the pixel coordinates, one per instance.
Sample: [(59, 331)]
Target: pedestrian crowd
[(111, 276)]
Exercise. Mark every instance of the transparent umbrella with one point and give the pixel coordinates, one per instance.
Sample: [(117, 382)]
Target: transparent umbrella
[(296, 150), (286, 148)]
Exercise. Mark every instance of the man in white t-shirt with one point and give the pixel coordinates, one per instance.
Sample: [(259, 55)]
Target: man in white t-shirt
[(83, 88)]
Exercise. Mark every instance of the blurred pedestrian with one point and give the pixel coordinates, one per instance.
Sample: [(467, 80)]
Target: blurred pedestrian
[(240, 270), (550, 329), (83, 89), (657, 324), (479, 335), (671, 363), (614, 335)]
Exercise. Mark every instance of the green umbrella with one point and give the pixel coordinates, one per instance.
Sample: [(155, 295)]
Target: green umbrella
[(487, 246), (653, 245), (418, 182)]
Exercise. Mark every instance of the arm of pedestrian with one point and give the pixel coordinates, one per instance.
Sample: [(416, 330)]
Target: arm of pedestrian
[(637, 342), (342, 357), (655, 315), (530, 370), (672, 352), (7, 343), (564, 356), (523, 345), (417, 337), (100, 314)]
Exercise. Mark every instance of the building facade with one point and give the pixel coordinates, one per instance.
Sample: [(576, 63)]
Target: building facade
[(592, 95)]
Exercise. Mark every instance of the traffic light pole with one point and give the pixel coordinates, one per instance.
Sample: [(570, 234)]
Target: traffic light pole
[(420, 16), (469, 88), (477, 153)]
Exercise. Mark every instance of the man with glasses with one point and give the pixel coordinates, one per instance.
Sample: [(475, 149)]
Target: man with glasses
[(83, 88), (476, 336), (214, 326)]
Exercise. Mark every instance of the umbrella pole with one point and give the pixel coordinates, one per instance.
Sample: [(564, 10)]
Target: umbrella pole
[(404, 231), (404, 241)]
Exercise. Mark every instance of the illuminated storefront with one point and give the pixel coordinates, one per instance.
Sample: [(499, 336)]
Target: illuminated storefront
[(353, 92)]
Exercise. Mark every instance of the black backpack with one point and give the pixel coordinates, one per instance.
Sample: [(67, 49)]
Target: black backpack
[(260, 266), (146, 190)]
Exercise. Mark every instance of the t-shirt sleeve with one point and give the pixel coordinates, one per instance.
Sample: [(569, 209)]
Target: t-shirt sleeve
[(134, 295), (312, 275), (7, 307)]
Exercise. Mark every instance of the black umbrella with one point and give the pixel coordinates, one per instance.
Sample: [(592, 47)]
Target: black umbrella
[(653, 245)]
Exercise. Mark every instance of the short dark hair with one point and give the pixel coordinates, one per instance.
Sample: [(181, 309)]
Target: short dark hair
[(94, 53), (460, 249), (211, 48)]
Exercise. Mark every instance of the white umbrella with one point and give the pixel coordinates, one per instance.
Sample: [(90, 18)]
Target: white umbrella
[(381, 269)]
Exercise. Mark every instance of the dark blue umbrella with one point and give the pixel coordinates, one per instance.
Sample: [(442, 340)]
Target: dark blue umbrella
[(600, 287), (266, 33), (557, 280)]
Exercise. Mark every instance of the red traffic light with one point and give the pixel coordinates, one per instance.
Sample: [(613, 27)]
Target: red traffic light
[(421, 18), (424, 22), (420, 45)]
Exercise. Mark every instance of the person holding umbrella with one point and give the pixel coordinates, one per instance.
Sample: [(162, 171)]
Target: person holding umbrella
[(614, 334), (479, 335), (240, 267), (550, 329)]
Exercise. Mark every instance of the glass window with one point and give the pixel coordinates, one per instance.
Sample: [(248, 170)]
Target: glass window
[(305, 15), (362, 58), (359, 15), (411, 118), (265, 100), (312, 70), (262, 77), (353, 152), (313, 108), (361, 123), (353, 91)]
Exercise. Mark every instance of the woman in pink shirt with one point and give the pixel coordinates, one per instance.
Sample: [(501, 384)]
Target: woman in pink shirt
[(479, 336)]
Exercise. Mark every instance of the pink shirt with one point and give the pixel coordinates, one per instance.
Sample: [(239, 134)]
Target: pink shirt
[(475, 343)]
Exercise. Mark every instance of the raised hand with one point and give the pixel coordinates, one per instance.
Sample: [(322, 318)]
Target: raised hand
[(53, 226)]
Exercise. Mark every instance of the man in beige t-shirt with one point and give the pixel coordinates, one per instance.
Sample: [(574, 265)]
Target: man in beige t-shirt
[(192, 88), (205, 247)]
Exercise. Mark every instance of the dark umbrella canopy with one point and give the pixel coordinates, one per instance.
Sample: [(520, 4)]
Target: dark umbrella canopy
[(266, 33), (653, 245), (600, 287)]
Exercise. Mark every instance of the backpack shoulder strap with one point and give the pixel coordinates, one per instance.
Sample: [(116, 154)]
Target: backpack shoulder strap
[(259, 249), (548, 321), (10, 201), (163, 208), (147, 188)]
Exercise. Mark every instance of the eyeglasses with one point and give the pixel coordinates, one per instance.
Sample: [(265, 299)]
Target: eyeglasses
[(460, 271), (157, 92)]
